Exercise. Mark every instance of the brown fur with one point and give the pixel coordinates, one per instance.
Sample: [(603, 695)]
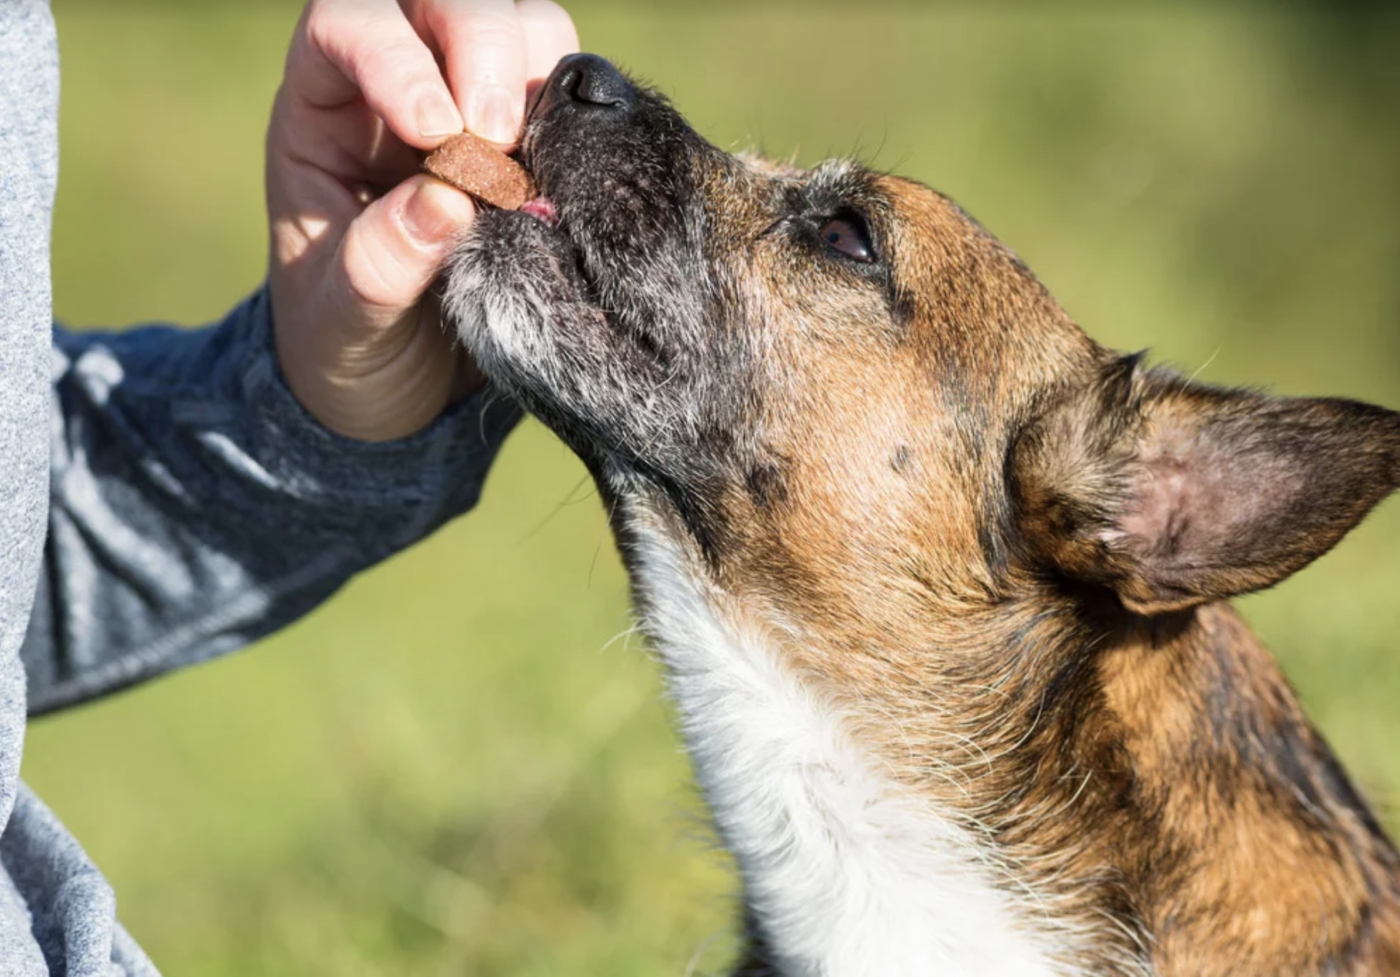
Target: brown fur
[(1155, 772), (1001, 548)]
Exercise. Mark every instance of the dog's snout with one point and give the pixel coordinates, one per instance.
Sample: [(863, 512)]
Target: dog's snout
[(589, 81)]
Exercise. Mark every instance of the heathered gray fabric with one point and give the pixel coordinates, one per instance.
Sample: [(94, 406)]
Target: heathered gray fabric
[(193, 507)]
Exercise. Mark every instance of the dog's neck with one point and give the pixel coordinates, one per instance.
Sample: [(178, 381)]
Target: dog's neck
[(1158, 806), (1240, 840), (845, 873)]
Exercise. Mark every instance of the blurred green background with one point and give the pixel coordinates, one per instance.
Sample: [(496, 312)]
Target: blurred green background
[(453, 768)]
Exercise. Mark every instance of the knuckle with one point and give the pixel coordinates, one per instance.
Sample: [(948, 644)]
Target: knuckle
[(494, 29), (482, 27), (357, 35), (396, 60), (543, 11), (321, 22)]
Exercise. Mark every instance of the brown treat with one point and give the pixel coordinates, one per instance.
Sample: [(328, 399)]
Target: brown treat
[(473, 165)]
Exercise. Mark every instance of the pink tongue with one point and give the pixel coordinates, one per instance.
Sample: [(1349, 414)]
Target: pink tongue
[(541, 208)]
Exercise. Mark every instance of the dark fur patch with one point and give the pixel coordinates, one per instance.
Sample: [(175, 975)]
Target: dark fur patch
[(765, 484), (900, 460)]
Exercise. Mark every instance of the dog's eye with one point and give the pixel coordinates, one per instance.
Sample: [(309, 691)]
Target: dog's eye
[(847, 233)]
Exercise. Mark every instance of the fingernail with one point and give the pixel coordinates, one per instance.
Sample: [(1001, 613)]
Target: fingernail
[(438, 117), (435, 212), (491, 114)]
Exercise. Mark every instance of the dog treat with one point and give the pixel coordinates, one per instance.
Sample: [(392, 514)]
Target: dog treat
[(473, 165)]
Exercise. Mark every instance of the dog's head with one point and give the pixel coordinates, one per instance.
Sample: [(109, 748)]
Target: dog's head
[(843, 392), (837, 422)]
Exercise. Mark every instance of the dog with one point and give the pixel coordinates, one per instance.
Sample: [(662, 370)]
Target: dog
[(939, 583)]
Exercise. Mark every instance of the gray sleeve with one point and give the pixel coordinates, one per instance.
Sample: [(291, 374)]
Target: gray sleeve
[(196, 506)]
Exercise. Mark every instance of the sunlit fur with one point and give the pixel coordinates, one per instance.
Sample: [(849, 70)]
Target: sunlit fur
[(851, 873), (939, 582)]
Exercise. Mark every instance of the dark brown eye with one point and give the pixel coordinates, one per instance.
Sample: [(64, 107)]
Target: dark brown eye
[(848, 235)]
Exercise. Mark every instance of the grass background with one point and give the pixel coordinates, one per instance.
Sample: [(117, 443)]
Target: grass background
[(449, 768)]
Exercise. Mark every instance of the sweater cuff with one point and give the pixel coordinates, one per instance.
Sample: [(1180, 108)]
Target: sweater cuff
[(426, 478)]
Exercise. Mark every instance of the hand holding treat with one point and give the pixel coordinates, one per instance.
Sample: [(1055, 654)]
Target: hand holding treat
[(358, 232)]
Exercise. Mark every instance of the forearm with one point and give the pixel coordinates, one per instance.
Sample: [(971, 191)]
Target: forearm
[(197, 507)]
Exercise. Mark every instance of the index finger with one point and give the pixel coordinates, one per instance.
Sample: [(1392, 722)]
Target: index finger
[(349, 49), (483, 50)]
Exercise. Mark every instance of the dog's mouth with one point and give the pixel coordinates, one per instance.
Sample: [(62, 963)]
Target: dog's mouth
[(543, 210), (614, 164), (542, 99), (592, 305), (541, 207)]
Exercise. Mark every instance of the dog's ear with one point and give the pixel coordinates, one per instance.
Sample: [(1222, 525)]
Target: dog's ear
[(1173, 493)]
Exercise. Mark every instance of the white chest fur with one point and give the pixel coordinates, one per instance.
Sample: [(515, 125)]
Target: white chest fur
[(848, 875)]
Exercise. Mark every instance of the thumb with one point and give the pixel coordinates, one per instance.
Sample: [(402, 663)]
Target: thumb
[(394, 249)]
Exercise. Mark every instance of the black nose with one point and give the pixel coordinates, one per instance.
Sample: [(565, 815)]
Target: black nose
[(589, 81)]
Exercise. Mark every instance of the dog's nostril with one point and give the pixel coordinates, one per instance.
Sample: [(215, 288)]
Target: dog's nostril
[(591, 80)]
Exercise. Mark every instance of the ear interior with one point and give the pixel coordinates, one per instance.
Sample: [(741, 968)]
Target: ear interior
[(1182, 493)]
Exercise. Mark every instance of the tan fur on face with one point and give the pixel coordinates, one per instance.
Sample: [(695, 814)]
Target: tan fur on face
[(1130, 773), (868, 493), (937, 580)]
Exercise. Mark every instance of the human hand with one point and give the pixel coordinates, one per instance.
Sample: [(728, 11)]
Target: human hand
[(358, 234)]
